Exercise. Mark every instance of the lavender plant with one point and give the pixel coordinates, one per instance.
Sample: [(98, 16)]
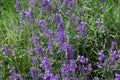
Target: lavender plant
[(59, 40)]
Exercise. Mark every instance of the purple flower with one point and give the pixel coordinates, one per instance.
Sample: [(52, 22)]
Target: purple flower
[(34, 40), (59, 4), (17, 5), (101, 55), (61, 37), (24, 78), (69, 69), (33, 73), (96, 78), (43, 24), (68, 48), (89, 67), (81, 10), (117, 76), (57, 77), (82, 59), (30, 50), (46, 5), (50, 46), (70, 3), (11, 68), (98, 22), (14, 76), (5, 49), (113, 44), (68, 13), (65, 71), (73, 78), (46, 31), (99, 65), (29, 15), (72, 66), (34, 59), (48, 76), (82, 29), (46, 65), (58, 18), (39, 49), (114, 56)]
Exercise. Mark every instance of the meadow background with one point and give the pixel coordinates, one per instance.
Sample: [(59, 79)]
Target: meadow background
[(86, 39)]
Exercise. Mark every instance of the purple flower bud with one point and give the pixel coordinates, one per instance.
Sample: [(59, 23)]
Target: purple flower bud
[(14, 76), (43, 24), (39, 49), (46, 65), (70, 3), (30, 50), (113, 44), (34, 40), (89, 67), (33, 73), (96, 78), (98, 22), (58, 18), (5, 49), (81, 10), (50, 46), (17, 5), (117, 76), (82, 29), (101, 55), (68, 48), (114, 56), (46, 5), (82, 59), (48, 76), (34, 59), (68, 13), (59, 4), (57, 77)]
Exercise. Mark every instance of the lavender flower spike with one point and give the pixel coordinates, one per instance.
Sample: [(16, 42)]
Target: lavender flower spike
[(5, 49)]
